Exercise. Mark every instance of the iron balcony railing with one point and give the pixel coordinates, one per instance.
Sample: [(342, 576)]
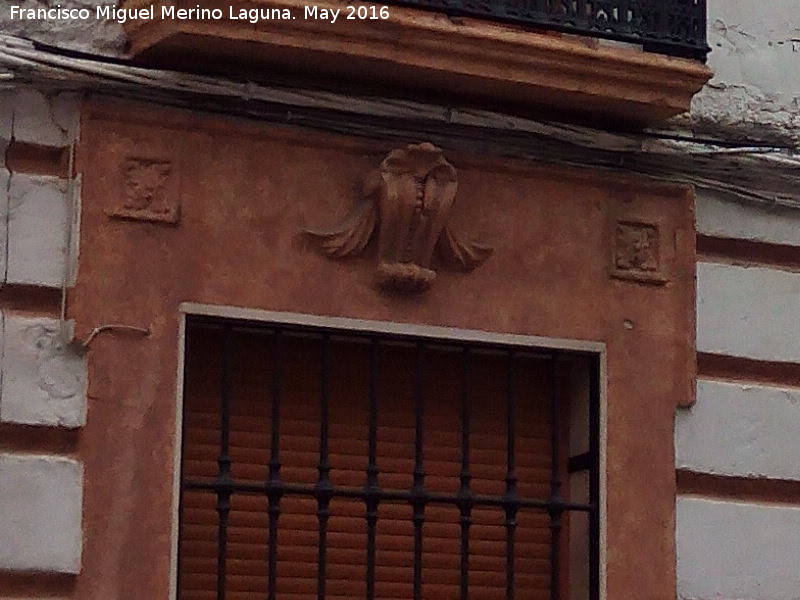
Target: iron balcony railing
[(672, 27)]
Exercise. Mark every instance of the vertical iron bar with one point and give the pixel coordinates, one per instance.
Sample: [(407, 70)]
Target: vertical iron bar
[(624, 24), (224, 462), (594, 478), (418, 490), (702, 23), (555, 480), (583, 13), (323, 489), (465, 492), (373, 492), (274, 492), (511, 500)]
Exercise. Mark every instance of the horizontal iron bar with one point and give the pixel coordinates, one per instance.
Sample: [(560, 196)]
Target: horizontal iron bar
[(391, 495)]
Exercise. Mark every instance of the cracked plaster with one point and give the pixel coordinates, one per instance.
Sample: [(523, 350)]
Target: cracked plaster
[(755, 57), (98, 37)]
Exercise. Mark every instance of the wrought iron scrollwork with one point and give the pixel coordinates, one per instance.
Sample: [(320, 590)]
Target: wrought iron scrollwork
[(673, 27)]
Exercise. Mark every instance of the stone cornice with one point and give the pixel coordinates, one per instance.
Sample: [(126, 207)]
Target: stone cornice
[(476, 60)]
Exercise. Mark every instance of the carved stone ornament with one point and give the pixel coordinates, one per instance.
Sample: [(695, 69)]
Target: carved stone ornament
[(637, 252), (407, 201), (146, 193)]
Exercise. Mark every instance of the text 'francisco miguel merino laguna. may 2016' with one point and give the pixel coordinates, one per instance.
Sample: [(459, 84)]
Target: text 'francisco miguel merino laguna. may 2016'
[(252, 15)]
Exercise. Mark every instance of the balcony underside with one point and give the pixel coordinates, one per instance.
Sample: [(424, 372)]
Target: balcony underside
[(429, 55)]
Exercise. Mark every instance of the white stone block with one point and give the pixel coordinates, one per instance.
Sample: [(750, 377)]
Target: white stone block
[(740, 430), (719, 216), (751, 312), (45, 118), (737, 551), (43, 377), (40, 513), (38, 223)]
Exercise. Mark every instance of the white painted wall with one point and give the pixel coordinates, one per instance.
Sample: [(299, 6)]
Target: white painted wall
[(751, 312), (741, 430), (756, 60), (89, 36), (737, 551), (725, 217), (729, 550), (40, 520)]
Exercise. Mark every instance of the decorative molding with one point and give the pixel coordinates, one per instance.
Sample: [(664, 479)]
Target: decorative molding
[(637, 253), (146, 192), (425, 49), (408, 201)]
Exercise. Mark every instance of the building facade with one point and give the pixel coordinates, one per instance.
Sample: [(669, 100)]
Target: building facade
[(488, 304)]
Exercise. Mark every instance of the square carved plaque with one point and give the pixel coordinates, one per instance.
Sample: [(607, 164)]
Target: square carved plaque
[(148, 193), (637, 252)]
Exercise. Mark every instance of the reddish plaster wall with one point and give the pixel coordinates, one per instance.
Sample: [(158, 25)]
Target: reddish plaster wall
[(246, 189)]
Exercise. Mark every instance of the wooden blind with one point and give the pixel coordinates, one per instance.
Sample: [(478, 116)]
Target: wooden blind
[(246, 562)]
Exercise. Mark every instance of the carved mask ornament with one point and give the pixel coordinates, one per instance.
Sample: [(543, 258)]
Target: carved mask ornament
[(407, 200)]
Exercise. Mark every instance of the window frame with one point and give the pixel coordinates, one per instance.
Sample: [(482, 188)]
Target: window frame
[(592, 349)]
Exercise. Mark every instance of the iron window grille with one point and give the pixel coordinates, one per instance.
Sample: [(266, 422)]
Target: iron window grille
[(511, 503), (672, 27)]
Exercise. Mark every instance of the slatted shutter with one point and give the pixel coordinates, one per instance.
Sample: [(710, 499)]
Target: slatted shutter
[(443, 381)]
